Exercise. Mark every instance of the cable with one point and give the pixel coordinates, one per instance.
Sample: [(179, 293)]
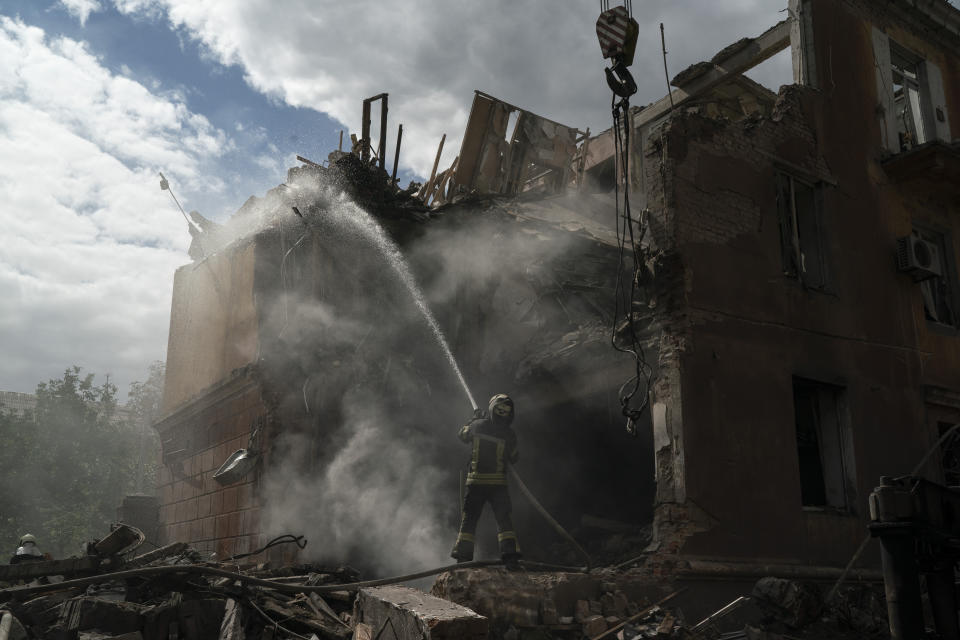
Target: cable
[(259, 582), (553, 523), (624, 230), (286, 538)]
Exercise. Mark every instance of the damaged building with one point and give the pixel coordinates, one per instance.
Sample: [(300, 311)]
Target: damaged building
[(796, 301)]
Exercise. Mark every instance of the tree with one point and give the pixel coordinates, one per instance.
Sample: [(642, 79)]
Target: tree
[(143, 404), (65, 467)]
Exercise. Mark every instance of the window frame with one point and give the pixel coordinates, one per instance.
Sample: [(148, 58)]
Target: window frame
[(791, 244), (902, 63), (843, 454)]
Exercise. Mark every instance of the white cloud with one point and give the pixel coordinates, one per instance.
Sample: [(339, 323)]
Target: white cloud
[(81, 9), (430, 55), (90, 240)]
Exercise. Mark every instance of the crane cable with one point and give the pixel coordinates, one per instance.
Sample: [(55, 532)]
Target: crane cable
[(624, 228)]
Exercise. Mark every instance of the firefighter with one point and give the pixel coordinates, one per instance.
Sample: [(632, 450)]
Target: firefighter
[(494, 446), (27, 550)]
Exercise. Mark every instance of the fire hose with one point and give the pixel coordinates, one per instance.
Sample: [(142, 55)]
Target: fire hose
[(546, 515), (536, 505), (200, 569)]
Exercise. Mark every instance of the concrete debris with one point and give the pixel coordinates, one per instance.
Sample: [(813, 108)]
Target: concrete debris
[(174, 597), (796, 604), (627, 605), (410, 613)]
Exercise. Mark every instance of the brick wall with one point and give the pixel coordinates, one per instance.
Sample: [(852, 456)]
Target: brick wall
[(197, 439)]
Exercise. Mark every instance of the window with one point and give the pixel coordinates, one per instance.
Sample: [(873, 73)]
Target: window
[(907, 98), (912, 104), (801, 238), (823, 445), (950, 455), (939, 292)]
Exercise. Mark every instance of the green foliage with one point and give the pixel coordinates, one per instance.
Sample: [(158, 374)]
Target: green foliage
[(144, 406), (65, 467)]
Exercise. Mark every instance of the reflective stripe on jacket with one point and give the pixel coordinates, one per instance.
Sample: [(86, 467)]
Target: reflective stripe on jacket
[(493, 446)]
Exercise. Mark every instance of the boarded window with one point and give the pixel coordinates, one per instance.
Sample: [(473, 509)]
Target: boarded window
[(801, 237), (826, 467)]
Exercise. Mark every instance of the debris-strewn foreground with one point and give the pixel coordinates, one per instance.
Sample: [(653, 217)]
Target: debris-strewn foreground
[(175, 592)]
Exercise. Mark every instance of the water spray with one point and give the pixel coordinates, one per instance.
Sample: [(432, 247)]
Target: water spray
[(372, 231)]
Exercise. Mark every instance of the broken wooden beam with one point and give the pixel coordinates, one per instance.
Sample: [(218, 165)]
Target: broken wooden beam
[(428, 185), (172, 549), (28, 571), (396, 155), (311, 162), (641, 614), (732, 60), (232, 626)]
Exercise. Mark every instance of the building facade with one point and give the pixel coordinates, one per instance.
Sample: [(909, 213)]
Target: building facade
[(798, 308)]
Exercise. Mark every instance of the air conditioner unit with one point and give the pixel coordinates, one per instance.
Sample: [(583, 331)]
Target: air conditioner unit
[(919, 258)]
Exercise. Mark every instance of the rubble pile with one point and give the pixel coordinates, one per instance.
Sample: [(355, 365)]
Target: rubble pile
[(792, 609), (177, 592), (368, 185), (555, 604), (181, 597), (606, 603)]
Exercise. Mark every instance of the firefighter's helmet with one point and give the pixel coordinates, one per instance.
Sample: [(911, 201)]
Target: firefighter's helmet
[(501, 407)]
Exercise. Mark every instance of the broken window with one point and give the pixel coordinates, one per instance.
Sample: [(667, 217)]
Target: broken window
[(938, 291), (823, 446), (801, 236), (910, 92), (909, 95)]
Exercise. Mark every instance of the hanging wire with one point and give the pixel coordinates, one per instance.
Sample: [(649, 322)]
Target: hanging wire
[(625, 301), (286, 538)]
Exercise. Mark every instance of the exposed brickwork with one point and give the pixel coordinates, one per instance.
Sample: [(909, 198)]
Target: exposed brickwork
[(195, 508)]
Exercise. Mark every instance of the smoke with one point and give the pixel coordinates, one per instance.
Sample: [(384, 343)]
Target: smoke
[(376, 501), (369, 390), (366, 458)]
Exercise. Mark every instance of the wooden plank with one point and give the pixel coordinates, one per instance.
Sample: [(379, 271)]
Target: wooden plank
[(318, 604), (396, 156), (440, 192), (433, 174), (473, 138), (172, 549), (289, 616), (29, 570), (232, 626)]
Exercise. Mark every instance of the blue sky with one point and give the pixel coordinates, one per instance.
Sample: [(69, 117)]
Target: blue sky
[(145, 48), (97, 96)]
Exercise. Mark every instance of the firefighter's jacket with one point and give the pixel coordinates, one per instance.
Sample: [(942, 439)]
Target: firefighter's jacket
[(494, 445)]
